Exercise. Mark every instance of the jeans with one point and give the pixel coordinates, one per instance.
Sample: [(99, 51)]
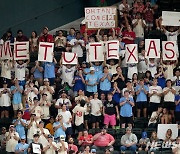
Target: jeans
[(131, 148)]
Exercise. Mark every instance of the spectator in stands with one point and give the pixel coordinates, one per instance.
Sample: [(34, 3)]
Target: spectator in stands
[(161, 77), (21, 147), (72, 146), (85, 139), (78, 46), (60, 42), (177, 108), (141, 92), (96, 111), (32, 126), (8, 37), (33, 42), (155, 118), (47, 89), (72, 34), (37, 71), (16, 91), (78, 116), (155, 93), (152, 66), (67, 119), (91, 82), (138, 27), (105, 80), (126, 113), (143, 142), (168, 141), (176, 147), (128, 35), (20, 124), (148, 16), (59, 128), (20, 36), (153, 144), (45, 105), (6, 68), (20, 71), (119, 78), (110, 111), (35, 146), (166, 117), (62, 146), (148, 78), (5, 99), (3, 140), (132, 69), (49, 125), (51, 147), (103, 140), (169, 95), (12, 139), (45, 37), (124, 7), (116, 93), (128, 141), (176, 80)]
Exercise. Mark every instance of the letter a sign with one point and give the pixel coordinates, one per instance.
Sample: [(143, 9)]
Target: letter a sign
[(152, 47)]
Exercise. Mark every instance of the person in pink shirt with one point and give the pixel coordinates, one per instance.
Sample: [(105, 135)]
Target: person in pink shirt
[(72, 146), (103, 140)]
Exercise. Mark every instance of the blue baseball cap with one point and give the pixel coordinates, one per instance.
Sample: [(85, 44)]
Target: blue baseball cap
[(144, 134)]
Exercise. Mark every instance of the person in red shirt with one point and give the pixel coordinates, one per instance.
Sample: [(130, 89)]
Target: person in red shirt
[(128, 36), (21, 37), (71, 146), (103, 140), (86, 139), (45, 37)]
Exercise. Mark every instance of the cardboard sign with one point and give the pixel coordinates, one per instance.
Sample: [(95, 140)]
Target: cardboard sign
[(45, 52), (170, 18), (112, 49), (69, 58), (101, 17), (21, 50), (131, 55), (96, 50), (169, 49), (152, 47), (162, 129), (5, 51)]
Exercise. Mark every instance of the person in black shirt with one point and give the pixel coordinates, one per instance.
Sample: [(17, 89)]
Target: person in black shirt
[(110, 111), (35, 147), (119, 78)]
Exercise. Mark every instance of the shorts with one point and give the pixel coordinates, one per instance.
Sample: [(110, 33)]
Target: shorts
[(86, 117), (88, 94), (4, 108), (141, 105), (126, 120), (80, 128), (17, 106), (95, 119), (169, 105), (69, 131), (110, 119)]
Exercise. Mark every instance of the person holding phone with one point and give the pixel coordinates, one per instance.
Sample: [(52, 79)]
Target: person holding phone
[(21, 148)]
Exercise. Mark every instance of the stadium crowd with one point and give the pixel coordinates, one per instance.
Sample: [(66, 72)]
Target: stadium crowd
[(91, 107)]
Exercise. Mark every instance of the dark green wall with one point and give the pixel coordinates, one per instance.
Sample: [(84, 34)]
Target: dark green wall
[(30, 15)]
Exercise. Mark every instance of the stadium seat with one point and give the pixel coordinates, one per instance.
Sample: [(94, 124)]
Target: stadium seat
[(120, 132), (111, 131), (142, 152), (116, 152), (100, 152), (140, 122), (94, 131), (137, 132)]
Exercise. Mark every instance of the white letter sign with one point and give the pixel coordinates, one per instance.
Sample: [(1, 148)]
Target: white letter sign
[(21, 50), (170, 18), (152, 47), (169, 50), (112, 49), (101, 17), (96, 52), (131, 55), (5, 51), (45, 52), (69, 58)]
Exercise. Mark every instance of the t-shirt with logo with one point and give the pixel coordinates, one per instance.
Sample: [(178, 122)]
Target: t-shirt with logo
[(110, 107)]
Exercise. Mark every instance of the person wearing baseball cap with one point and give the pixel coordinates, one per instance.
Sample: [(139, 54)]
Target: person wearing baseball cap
[(91, 82), (45, 36), (22, 147)]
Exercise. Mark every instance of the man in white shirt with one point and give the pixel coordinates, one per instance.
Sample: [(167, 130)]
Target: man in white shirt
[(139, 24), (142, 65), (78, 46), (51, 147), (123, 7), (62, 146), (5, 100), (155, 93)]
